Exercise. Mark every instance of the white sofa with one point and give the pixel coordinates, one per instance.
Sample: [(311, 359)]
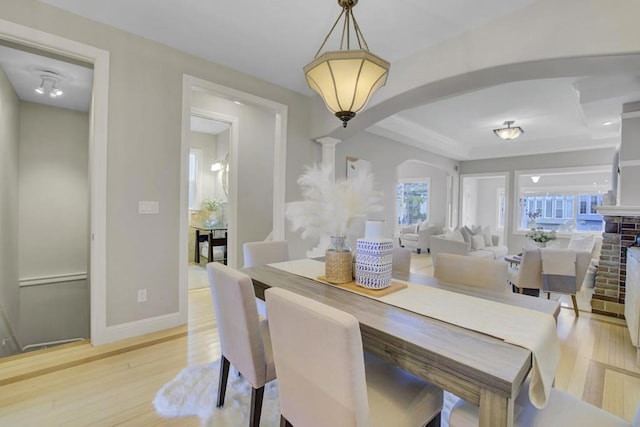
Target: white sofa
[(455, 243), (417, 236)]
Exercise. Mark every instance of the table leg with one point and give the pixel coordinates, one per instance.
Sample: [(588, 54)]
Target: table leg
[(495, 410), (211, 246), (196, 257)]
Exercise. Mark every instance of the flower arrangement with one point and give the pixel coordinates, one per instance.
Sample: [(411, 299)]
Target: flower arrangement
[(541, 236), (332, 206)]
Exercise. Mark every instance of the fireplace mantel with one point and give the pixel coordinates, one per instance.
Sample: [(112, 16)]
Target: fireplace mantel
[(619, 210)]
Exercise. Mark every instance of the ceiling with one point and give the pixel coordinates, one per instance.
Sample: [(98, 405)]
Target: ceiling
[(274, 40), (24, 71)]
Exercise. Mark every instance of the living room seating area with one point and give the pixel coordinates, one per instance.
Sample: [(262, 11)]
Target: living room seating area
[(417, 236), (470, 241)]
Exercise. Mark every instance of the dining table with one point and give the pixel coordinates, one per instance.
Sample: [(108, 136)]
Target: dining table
[(478, 367)]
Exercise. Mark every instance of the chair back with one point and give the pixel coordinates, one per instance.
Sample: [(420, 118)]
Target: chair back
[(265, 252), (401, 261), (582, 262), (530, 269), (237, 321), (472, 271), (319, 360)]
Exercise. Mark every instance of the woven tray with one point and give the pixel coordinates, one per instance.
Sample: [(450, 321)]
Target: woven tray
[(352, 286)]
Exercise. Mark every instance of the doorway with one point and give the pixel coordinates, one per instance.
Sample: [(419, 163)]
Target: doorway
[(208, 200), (257, 153), (61, 48)]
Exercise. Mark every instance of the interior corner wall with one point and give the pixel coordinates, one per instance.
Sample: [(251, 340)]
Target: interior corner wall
[(385, 156), (9, 149), (209, 145)]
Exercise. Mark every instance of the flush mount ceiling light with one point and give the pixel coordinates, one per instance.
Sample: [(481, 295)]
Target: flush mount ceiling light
[(49, 84), (346, 79), (509, 132), (535, 179)]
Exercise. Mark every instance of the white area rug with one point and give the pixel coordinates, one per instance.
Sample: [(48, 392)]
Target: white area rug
[(193, 392)]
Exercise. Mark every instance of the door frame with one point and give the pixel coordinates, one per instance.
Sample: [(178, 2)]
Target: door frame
[(98, 120)]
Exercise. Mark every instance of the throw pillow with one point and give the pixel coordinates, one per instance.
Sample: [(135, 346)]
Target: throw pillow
[(581, 243), (466, 235), (476, 229), (477, 242), (455, 236), (423, 225)]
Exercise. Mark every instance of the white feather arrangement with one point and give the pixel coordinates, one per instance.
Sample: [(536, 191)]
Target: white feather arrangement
[(332, 207)]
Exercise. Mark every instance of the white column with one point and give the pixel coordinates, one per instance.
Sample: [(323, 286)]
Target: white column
[(328, 150), (328, 158)]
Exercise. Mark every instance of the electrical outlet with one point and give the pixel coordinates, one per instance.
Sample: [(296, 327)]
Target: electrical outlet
[(142, 295)]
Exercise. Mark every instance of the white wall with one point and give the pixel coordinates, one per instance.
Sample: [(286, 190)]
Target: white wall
[(544, 161), (9, 131), (385, 156), (143, 153), (54, 191)]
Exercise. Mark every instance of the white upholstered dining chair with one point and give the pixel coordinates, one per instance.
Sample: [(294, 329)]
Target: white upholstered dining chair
[(324, 378), (472, 271), (244, 338), (528, 275), (562, 410), (265, 252), (401, 261), (261, 253)]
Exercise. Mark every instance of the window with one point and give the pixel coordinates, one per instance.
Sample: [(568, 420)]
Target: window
[(412, 200), (562, 200), (195, 173)]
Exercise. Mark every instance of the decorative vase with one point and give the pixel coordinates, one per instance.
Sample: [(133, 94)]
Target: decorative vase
[(374, 257), (338, 261), (532, 224)]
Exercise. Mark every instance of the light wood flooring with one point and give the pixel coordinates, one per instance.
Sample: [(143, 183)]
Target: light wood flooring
[(81, 385)]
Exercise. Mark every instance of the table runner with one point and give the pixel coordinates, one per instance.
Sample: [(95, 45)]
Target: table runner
[(530, 329)]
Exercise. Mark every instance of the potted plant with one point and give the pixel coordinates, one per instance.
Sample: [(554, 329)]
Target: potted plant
[(532, 218), (211, 214)]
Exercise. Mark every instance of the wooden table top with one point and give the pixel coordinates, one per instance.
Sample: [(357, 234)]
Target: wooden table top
[(456, 359)]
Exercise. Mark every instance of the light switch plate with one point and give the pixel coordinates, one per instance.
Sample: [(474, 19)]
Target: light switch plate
[(148, 207)]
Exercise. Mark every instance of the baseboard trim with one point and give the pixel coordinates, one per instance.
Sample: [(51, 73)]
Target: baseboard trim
[(141, 327)]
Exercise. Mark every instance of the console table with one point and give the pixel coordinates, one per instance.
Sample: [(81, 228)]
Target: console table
[(212, 235)]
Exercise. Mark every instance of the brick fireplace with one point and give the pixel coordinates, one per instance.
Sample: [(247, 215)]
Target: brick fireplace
[(621, 227)]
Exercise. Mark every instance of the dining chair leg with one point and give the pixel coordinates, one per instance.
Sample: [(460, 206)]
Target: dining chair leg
[(575, 304), (284, 422), (222, 381), (435, 421), (256, 406)]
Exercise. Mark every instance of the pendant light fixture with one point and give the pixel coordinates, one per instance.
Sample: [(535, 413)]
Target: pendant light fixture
[(509, 132), (346, 79)]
